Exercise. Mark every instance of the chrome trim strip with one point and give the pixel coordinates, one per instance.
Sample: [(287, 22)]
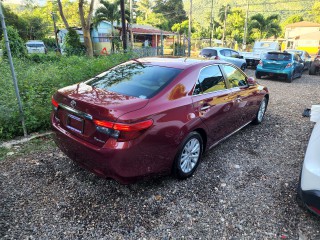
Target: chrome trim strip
[(215, 144), (76, 112)]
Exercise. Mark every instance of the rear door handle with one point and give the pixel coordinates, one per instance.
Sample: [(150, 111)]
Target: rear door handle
[(205, 107)]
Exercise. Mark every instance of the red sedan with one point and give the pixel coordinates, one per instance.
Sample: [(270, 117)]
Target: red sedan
[(154, 115)]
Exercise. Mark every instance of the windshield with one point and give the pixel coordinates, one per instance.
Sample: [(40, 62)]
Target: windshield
[(278, 56), (135, 79), (35, 45)]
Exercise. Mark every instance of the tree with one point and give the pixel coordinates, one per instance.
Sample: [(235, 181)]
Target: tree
[(12, 19), (155, 19), (315, 11), (235, 22), (72, 44), (172, 10), (109, 12), (223, 14), (16, 44), (85, 20), (265, 27), (144, 9)]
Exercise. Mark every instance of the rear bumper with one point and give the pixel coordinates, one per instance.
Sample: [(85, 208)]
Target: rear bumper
[(276, 73), (121, 161), (309, 185), (311, 199)]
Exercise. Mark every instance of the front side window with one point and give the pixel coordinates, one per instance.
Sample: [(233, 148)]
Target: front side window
[(210, 80), (135, 79), (234, 54), (234, 76)]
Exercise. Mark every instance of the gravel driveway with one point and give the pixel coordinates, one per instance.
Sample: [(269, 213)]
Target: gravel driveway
[(245, 188)]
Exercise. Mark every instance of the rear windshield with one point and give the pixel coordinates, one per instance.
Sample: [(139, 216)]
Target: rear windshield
[(35, 45), (135, 79), (208, 52), (278, 56)]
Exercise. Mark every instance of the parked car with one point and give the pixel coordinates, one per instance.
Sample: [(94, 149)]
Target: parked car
[(315, 65), (226, 54), (154, 115), (36, 46), (280, 64), (259, 48), (309, 185), (304, 55)]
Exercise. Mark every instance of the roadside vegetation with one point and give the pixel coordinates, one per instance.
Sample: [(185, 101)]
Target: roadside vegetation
[(39, 76)]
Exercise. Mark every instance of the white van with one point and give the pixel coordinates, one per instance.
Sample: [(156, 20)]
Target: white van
[(36, 46)]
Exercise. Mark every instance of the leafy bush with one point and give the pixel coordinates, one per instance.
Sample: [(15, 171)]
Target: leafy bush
[(37, 82), (17, 46), (42, 58), (50, 43), (72, 44)]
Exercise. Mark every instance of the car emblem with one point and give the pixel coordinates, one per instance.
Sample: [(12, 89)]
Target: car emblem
[(73, 103)]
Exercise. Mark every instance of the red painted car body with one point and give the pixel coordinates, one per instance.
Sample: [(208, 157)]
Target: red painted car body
[(127, 137)]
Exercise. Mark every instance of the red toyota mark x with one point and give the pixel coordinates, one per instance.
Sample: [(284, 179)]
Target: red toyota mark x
[(154, 115)]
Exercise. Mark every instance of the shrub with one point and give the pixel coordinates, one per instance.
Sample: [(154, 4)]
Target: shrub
[(17, 46), (37, 82), (72, 44)]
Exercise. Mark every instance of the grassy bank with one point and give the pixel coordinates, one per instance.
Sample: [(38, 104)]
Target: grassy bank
[(38, 78)]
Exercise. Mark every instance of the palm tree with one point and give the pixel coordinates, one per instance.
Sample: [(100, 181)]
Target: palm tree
[(224, 11), (109, 12), (266, 27)]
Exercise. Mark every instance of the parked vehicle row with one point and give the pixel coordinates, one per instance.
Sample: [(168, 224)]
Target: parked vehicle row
[(315, 65)]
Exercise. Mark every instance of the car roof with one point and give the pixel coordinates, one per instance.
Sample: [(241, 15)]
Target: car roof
[(181, 63), (218, 48)]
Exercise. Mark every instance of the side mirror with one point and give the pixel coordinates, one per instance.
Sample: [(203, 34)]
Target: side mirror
[(241, 57), (251, 81)]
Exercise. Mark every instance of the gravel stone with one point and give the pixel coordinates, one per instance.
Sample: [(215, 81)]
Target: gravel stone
[(245, 188)]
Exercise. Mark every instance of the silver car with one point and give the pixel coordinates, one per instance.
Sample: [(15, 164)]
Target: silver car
[(226, 54)]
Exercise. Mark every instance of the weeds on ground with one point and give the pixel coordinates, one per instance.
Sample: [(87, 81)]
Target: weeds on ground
[(38, 78)]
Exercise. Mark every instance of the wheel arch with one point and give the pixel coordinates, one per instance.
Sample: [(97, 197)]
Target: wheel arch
[(204, 137)]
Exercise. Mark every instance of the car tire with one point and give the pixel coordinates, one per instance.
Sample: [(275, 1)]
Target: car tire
[(261, 111), (243, 67), (312, 70), (290, 78), (258, 75), (188, 156)]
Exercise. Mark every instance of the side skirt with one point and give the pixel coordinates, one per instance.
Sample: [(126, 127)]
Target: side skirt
[(222, 139)]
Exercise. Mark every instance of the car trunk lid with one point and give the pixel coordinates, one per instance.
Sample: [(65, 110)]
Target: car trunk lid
[(80, 105)]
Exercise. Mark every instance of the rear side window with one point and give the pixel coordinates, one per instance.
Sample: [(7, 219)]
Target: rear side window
[(208, 52), (234, 76), (210, 80), (278, 56), (135, 79)]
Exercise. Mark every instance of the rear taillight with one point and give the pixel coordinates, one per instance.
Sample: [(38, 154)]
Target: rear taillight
[(260, 63), (55, 104), (289, 65), (121, 131), (216, 58)]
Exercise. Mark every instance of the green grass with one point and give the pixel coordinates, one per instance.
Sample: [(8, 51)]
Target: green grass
[(38, 78)]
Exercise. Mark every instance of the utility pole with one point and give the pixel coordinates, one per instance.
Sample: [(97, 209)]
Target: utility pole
[(14, 77), (211, 23), (123, 21), (245, 28), (55, 31), (189, 30)]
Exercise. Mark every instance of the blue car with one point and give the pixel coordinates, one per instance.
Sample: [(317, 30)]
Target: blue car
[(280, 64), (226, 54)]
